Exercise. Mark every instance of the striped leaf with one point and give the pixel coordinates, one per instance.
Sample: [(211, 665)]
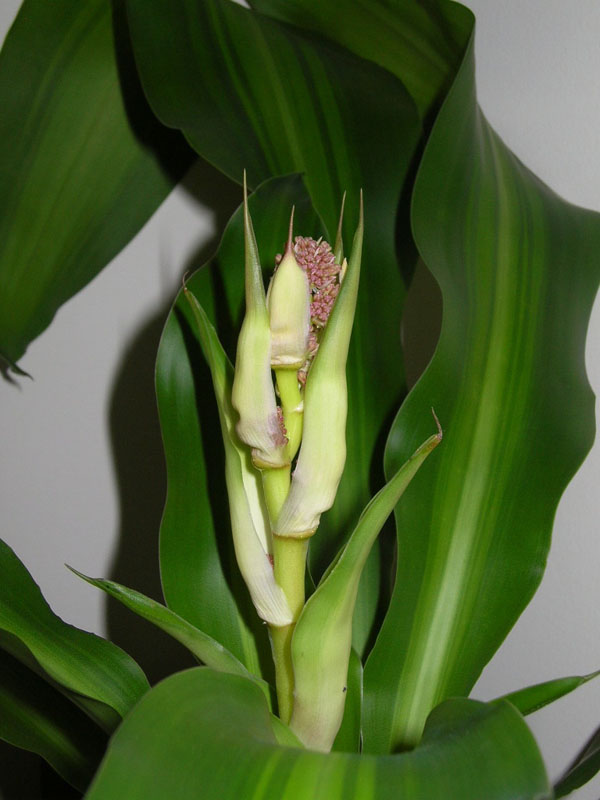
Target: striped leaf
[(207, 734), (518, 269), (422, 43)]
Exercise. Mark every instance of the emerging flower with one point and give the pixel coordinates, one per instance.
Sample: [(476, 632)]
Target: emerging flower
[(324, 275), (288, 301), (323, 451)]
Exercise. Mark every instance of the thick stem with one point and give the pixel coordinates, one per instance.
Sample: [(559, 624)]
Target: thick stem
[(289, 557), (276, 485), (289, 563)]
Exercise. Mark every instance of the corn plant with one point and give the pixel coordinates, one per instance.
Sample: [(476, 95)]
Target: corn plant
[(341, 557)]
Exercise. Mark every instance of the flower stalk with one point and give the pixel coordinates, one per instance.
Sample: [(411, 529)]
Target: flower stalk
[(286, 407)]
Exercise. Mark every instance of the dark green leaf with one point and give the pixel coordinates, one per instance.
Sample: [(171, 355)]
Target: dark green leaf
[(79, 158), (88, 666), (207, 734), (518, 269), (582, 770), (34, 716), (422, 43)]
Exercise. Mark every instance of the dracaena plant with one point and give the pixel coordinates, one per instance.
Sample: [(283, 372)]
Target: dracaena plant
[(331, 666)]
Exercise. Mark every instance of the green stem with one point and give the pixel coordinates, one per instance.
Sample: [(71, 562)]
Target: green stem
[(276, 485), (292, 407), (289, 555), (289, 564)]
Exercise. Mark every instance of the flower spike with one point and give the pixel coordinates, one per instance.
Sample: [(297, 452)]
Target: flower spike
[(323, 451)]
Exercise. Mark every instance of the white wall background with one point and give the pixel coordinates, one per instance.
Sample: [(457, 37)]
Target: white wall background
[(65, 436)]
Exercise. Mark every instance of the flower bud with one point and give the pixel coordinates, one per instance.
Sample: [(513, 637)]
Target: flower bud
[(288, 301), (253, 395), (323, 451)]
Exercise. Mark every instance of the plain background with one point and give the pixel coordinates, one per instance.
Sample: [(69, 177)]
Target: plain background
[(76, 440)]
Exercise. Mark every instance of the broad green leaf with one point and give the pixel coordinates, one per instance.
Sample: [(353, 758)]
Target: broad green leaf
[(249, 93), (206, 734), (323, 636), (83, 163), (35, 716), (582, 770), (85, 664), (205, 648), (532, 698), (201, 580), (420, 42), (518, 269)]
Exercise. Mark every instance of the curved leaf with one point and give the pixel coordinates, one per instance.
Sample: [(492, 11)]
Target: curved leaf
[(206, 734), (34, 716), (206, 649), (532, 698), (79, 158), (322, 638), (83, 663), (201, 581), (582, 770), (249, 93), (518, 269), (422, 43)]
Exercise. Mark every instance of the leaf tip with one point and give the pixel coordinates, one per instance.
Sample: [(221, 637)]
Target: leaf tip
[(440, 433)]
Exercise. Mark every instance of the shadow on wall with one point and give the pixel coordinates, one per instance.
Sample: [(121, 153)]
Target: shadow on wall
[(138, 456)]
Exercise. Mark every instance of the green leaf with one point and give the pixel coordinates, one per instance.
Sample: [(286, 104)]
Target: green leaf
[(201, 580), (249, 93), (422, 43), (83, 163), (206, 734), (35, 716), (323, 636), (518, 269), (88, 666), (348, 739), (582, 770), (204, 647), (532, 698)]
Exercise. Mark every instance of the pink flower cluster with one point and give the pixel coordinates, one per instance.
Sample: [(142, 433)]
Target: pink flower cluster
[(318, 261)]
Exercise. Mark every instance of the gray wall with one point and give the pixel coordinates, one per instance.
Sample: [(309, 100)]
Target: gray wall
[(73, 440)]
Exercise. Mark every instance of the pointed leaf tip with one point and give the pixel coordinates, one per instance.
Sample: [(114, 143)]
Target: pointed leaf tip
[(338, 249)]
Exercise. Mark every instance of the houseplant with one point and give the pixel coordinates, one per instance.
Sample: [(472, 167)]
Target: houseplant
[(403, 128)]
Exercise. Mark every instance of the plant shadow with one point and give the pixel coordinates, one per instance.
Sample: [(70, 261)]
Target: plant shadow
[(138, 456)]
